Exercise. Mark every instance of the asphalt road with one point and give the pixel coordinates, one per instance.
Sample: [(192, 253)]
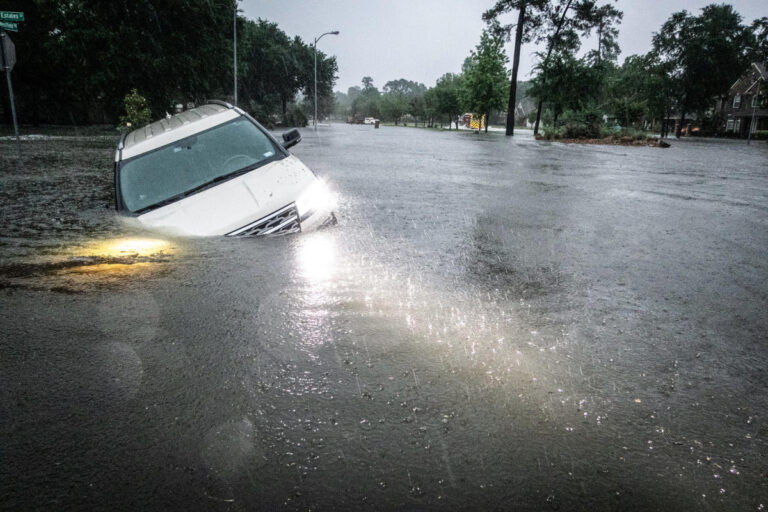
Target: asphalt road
[(493, 324)]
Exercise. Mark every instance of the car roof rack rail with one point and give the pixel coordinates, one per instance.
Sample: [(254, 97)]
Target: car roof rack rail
[(222, 103)]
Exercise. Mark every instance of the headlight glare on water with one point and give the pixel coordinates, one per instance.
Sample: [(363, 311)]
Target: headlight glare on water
[(316, 197)]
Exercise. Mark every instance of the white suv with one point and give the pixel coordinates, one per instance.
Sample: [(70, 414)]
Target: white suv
[(214, 170)]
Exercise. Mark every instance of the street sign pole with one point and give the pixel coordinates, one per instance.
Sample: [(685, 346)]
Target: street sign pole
[(7, 67)]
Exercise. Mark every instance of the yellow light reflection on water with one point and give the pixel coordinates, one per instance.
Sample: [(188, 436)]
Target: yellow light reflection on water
[(109, 261), (128, 247)]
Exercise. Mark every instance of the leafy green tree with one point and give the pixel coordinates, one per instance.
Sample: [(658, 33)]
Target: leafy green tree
[(417, 108), (367, 103), (108, 48), (405, 87), (758, 51), (137, 112), (559, 34), (353, 92), (565, 20), (79, 59), (604, 19), (393, 106), (485, 76), (400, 97), (446, 96), (572, 83), (273, 68), (704, 53), (431, 107), (639, 90), (270, 68), (341, 104), (530, 19)]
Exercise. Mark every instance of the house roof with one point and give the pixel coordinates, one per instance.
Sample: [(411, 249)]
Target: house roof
[(747, 80), (761, 69)]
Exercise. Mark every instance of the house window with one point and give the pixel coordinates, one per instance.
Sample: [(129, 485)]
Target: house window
[(737, 101), (755, 100), (729, 125), (737, 125)]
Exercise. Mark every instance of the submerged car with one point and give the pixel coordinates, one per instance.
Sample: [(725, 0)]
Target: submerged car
[(214, 170)]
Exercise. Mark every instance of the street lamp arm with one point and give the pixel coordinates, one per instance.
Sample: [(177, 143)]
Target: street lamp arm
[(333, 32)]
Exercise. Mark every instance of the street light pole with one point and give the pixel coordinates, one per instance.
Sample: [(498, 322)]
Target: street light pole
[(752, 125), (335, 33)]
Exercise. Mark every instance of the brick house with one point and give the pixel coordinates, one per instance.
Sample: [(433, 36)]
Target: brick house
[(747, 100)]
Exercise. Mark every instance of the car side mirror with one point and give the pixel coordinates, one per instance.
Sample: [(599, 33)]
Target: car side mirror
[(291, 138)]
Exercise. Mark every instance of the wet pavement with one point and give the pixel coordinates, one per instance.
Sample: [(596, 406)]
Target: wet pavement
[(492, 325)]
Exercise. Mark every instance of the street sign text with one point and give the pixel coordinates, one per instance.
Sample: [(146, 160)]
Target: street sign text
[(11, 16)]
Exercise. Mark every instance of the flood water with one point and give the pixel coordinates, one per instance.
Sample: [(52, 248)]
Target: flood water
[(493, 324)]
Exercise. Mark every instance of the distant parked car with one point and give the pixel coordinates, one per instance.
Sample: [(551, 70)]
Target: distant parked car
[(214, 170), (369, 120)]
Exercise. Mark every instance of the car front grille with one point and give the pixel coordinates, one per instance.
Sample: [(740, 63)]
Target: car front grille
[(283, 221)]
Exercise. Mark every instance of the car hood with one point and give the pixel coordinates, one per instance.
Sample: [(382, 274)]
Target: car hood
[(233, 203)]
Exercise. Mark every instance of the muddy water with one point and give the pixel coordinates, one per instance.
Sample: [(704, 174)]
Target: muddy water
[(493, 324)]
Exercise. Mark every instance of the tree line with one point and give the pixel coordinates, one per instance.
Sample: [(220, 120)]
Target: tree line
[(479, 88), (694, 59), (78, 60)]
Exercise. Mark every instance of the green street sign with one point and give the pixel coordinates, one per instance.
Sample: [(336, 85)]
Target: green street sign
[(9, 26), (11, 16)]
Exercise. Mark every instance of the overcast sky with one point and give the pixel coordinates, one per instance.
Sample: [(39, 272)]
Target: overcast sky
[(423, 39)]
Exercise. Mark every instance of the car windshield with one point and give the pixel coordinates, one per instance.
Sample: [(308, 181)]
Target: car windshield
[(193, 163)]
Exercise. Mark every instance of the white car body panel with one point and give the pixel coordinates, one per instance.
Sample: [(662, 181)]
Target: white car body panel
[(164, 138), (235, 203), (232, 204)]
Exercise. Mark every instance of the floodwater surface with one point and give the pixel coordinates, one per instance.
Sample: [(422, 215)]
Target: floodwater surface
[(493, 324)]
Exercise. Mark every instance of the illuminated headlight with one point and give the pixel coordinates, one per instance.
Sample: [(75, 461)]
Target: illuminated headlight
[(316, 197)]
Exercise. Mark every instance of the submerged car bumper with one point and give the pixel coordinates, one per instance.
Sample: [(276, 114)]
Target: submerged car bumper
[(286, 220)]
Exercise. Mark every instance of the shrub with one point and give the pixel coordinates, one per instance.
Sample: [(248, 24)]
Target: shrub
[(552, 133), (609, 131), (137, 113), (585, 123), (760, 135), (575, 130)]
